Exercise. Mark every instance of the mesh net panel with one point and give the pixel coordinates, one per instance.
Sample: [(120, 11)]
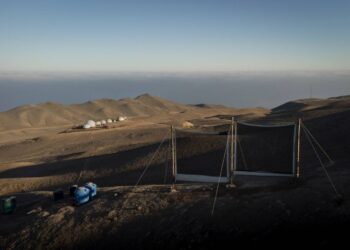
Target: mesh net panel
[(200, 153), (265, 149)]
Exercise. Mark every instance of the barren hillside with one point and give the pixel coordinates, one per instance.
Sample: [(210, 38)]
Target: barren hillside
[(256, 212), (55, 114)]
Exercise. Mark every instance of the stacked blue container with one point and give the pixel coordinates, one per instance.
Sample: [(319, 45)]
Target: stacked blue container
[(81, 195), (85, 194), (93, 189)]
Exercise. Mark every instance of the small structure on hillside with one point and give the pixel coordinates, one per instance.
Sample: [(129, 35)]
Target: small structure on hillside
[(91, 123), (86, 126), (122, 118), (109, 120), (187, 124)]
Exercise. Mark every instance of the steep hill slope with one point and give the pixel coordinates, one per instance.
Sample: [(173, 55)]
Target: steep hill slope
[(54, 114), (312, 108)]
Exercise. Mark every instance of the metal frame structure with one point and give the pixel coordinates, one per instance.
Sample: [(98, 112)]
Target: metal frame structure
[(231, 162)]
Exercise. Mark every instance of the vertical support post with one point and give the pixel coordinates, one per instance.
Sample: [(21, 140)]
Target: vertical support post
[(173, 157), (228, 171), (235, 152), (173, 152), (232, 152), (298, 150), (295, 137)]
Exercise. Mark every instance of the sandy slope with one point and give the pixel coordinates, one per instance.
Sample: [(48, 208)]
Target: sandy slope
[(314, 107), (54, 114), (36, 158), (55, 155)]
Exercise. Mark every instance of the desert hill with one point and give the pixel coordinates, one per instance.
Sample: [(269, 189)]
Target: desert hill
[(54, 114), (49, 114), (32, 166), (315, 107)]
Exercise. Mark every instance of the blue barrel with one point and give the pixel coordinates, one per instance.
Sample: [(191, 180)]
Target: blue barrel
[(92, 187), (8, 205), (81, 195)]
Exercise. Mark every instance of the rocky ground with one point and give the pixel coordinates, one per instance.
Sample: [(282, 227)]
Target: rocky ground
[(258, 211)]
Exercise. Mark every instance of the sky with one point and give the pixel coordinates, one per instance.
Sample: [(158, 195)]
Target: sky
[(240, 53), (174, 35)]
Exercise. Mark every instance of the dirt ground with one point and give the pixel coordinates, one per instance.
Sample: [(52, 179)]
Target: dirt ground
[(258, 211), (152, 216)]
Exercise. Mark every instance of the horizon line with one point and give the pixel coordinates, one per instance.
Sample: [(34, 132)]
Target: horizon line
[(184, 72)]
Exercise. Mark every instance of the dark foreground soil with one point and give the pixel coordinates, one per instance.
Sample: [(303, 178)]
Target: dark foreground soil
[(303, 212)]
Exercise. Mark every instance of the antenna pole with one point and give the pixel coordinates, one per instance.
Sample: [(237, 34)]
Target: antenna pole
[(298, 150)]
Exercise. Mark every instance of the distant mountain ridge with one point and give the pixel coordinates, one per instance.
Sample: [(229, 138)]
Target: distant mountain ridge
[(338, 103), (54, 114)]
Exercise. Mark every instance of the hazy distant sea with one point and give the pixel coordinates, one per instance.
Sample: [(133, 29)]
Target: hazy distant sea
[(238, 89)]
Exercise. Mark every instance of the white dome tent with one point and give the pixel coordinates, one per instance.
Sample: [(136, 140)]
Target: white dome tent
[(109, 120), (122, 118), (86, 126), (103, 122), (98, 123), (91, 123)]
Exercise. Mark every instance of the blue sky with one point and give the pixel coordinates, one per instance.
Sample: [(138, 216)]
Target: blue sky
[(181, 35)]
